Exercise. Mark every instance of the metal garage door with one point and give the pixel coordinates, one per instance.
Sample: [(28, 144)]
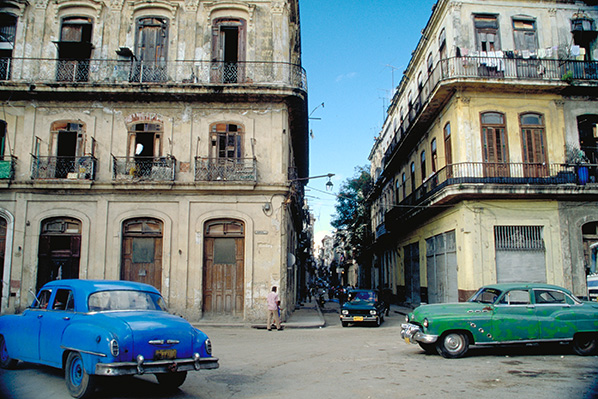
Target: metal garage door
[(441, 263), (520, 254)]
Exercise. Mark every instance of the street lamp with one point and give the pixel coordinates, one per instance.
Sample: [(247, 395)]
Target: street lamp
[(329, 184)]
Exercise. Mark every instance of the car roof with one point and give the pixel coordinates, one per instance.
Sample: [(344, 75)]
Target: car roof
[(90, 286), (512, 286)]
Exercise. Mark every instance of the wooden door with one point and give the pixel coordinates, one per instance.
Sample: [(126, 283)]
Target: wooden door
[(223, 276), (142, 252)]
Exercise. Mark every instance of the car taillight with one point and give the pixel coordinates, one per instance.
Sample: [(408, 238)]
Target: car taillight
[(208, 346), (114, 349)]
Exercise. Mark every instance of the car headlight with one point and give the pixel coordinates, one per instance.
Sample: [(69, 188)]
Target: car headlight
[(426, 323), (373, 312), (114, 348), (407, 318), (208, 344), (345, 311)]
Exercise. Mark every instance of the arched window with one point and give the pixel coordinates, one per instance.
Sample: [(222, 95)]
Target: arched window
[(434, 157), (151, 45), (8, 31), (412, 177), (494, 144), (423, 165)]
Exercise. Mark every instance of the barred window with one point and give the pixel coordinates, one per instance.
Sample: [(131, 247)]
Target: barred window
[(519, 238)]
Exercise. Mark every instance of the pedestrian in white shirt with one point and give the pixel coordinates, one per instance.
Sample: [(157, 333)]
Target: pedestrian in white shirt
[(273, 303)]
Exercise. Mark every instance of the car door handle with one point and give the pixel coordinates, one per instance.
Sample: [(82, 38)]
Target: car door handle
[(66, 318), (39, 316)]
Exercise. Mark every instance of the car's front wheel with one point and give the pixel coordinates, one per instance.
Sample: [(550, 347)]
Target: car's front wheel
[(171, 381), (430, 349), (6, 362), (453, 345), (78, 382), (585, 344)]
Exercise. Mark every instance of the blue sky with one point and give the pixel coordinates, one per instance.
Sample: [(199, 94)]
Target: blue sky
[(353, 52)]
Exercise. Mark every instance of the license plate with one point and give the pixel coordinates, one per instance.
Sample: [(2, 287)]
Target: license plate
[(358, 318), (161, 354), (407, 340)]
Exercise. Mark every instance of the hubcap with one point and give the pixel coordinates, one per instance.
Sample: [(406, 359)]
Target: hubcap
[(76, 372), (453, 342)]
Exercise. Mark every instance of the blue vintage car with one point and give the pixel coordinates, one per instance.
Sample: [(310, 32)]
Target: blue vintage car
[(94, 328), (363, 306)]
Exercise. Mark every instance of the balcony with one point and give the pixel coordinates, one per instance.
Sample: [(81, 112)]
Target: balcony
[(7, 167), (533, 178), (140, 169), (549, 74), (71, 168), (94, 72), (226, 170)]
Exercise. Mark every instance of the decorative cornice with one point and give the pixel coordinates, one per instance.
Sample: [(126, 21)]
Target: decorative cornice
[(191, 5), (219, 5), (279, 7), (140, 5), (94, 5)]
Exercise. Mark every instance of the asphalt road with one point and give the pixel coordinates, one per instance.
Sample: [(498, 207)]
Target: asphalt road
[(344, 363)]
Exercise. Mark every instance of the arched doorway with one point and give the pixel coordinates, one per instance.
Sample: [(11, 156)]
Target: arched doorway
[(59, 250), (142, 251), (224, 265)]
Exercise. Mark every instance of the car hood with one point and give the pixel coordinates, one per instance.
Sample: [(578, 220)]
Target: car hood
[(148, 331)]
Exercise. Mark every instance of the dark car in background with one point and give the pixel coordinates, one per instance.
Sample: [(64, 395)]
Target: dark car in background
[(362, 306)]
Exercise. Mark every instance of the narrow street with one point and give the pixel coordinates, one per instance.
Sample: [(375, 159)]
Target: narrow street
[(340, 363)]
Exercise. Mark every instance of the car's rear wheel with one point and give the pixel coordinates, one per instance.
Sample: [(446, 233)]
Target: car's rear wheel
[(6, 362), (79, 383), (453, 345), (585, 344), (171, 380)]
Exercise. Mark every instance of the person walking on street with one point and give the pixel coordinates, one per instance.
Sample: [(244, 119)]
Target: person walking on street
[(273, 303)]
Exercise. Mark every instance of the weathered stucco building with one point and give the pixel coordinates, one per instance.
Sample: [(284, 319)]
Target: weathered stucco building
[(478, 168), (154, 141)]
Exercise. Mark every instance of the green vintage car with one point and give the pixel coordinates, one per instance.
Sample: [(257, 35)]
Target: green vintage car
[(502, 314)]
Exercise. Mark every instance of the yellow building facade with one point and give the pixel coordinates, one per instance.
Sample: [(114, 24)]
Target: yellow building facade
[(477, 167)]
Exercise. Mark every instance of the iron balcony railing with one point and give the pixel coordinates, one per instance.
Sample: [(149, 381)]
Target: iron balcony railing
[(118, 72), (8, 163), (55, 167), (139, 168), (497, 173), (491, 68), (235, 170)]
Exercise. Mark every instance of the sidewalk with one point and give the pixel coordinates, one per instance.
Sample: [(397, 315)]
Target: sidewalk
[(307, 315)]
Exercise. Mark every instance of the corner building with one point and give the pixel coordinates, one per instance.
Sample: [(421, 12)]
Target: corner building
[(485, 168), (155, 142)]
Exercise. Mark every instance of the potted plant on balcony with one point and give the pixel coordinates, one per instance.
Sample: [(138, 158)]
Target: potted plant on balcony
[(576, 157)]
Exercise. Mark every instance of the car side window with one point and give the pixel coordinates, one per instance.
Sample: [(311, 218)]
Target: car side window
[(515, 297), (42, 300), (64, 300), (551, 297)]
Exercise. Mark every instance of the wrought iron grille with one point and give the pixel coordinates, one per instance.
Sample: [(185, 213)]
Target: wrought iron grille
[(519, 238), (73, 168), (144, 168), (215, 169)]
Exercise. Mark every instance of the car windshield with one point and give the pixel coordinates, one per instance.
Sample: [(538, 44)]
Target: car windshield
[(125, 300), (485, 295), (362, 296)]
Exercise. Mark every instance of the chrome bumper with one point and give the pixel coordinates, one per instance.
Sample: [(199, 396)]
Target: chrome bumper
[(156, 366), (413, 334), (351, 319)]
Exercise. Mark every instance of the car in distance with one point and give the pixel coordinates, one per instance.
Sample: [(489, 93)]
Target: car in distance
[(362, 306), (502, 314), (98, 328)]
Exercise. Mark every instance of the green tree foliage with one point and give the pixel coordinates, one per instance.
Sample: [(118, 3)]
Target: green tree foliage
[(352, 217)]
